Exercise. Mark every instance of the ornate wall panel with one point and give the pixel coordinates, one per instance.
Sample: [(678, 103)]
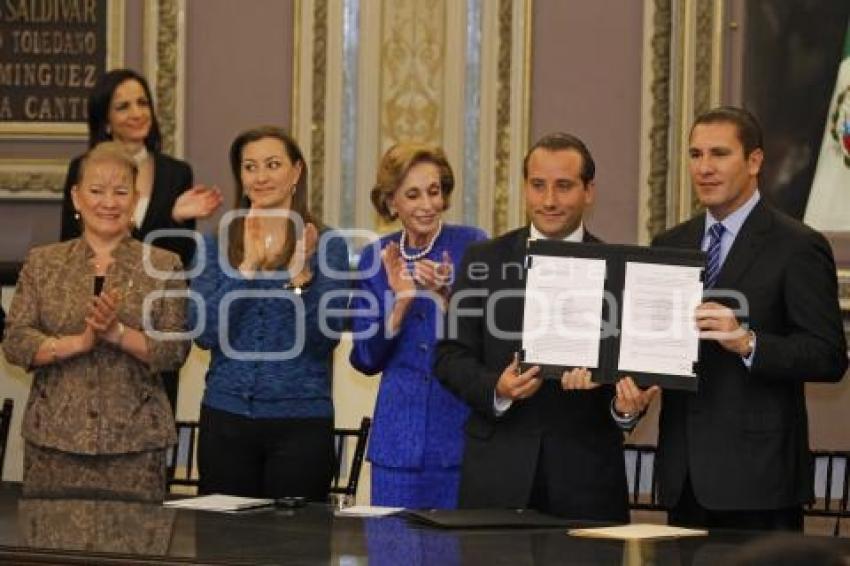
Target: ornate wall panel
[(658, 135), (165, 67), (682, 69), (412, 70), (317, 106)]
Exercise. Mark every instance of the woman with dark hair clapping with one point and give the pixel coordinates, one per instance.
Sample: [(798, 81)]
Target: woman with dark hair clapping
[(272, 291), (121, 109)]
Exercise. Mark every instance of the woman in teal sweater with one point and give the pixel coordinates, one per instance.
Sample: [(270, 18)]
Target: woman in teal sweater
[(266, 425)]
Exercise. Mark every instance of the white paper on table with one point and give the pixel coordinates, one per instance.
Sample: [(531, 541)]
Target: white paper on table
[(563, 311), (637, 531), (659, 333), (367, 511), (221, 503)]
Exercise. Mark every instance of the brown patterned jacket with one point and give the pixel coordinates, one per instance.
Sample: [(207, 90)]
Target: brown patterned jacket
[(105, 401)]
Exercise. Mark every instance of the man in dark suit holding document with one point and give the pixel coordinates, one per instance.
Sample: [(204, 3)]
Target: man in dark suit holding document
[(555, 447), (735, 454)]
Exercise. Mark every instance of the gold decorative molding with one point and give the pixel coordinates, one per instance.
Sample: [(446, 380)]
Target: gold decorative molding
[(502, 155), (659, 130), (36, 179), (412, 71), (704, 71), (297, 38), (686, 50), (317, 139), (703, 64), (164, 48)]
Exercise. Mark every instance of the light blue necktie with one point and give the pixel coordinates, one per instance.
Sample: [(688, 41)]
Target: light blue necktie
[(713, 264)]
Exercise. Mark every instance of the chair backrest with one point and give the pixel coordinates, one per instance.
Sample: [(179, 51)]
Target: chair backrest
[(5, 425), (181, 460), (349, 450), (832, 476), (640, 473)]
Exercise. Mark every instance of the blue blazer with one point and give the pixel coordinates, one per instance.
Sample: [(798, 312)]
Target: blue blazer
[(414, 411)]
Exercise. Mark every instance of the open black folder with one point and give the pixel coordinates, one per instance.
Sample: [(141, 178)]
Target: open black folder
[(616, 309), (494, 518)]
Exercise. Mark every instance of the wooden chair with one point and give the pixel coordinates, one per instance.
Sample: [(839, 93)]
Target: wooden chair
[(640, 472), (832, 475), (5, 425), (181, 459), (347, 467)]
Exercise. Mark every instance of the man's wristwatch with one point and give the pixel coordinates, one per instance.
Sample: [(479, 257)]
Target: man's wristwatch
[(624, 416)]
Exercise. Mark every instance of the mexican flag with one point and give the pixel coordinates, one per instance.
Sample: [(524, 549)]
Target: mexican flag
[(829, 202)]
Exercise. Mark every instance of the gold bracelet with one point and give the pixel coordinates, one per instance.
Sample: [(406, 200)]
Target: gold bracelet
[(121, 330), (52, 347)]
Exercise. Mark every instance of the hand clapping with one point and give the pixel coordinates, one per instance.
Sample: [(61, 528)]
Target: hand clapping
[(398, 275), (198, 202), (434, 276), (103, 316)]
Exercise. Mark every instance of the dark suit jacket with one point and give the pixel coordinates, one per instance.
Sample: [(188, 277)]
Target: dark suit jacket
[(171, 177), (743, 437), (584, 447)]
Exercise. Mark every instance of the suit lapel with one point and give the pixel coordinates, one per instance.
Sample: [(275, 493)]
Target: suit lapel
[(519, 247), (696, 231), (590, 238), (157, 201), (752, 237)]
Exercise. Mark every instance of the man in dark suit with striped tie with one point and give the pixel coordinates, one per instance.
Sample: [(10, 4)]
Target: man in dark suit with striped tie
[(735, 454)]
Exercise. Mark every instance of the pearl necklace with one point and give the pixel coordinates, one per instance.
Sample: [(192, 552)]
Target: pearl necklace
[(425, 251)]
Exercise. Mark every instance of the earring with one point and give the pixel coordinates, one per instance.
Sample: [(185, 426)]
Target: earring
[(294, 188), (76, 215)]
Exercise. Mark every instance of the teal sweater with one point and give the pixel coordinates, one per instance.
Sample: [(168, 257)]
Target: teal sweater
[(270, 347)]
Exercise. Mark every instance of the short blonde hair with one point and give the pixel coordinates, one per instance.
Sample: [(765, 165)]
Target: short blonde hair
[(397, 163), (111, 152)]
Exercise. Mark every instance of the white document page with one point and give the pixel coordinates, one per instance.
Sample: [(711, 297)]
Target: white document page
[(563, 311), (659, 334), (221, 503), (367, 511)]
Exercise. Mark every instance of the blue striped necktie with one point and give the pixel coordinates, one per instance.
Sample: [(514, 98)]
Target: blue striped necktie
[(712, 264)]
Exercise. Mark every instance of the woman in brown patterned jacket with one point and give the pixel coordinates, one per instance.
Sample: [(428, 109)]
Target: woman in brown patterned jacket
[(98, 422)]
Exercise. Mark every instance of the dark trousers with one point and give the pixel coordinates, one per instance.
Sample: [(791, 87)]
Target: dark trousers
[(265, 457), (688, 512), (552, 495)]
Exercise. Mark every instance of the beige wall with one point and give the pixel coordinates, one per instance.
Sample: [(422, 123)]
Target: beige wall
[(239, 75), (586, 78)]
